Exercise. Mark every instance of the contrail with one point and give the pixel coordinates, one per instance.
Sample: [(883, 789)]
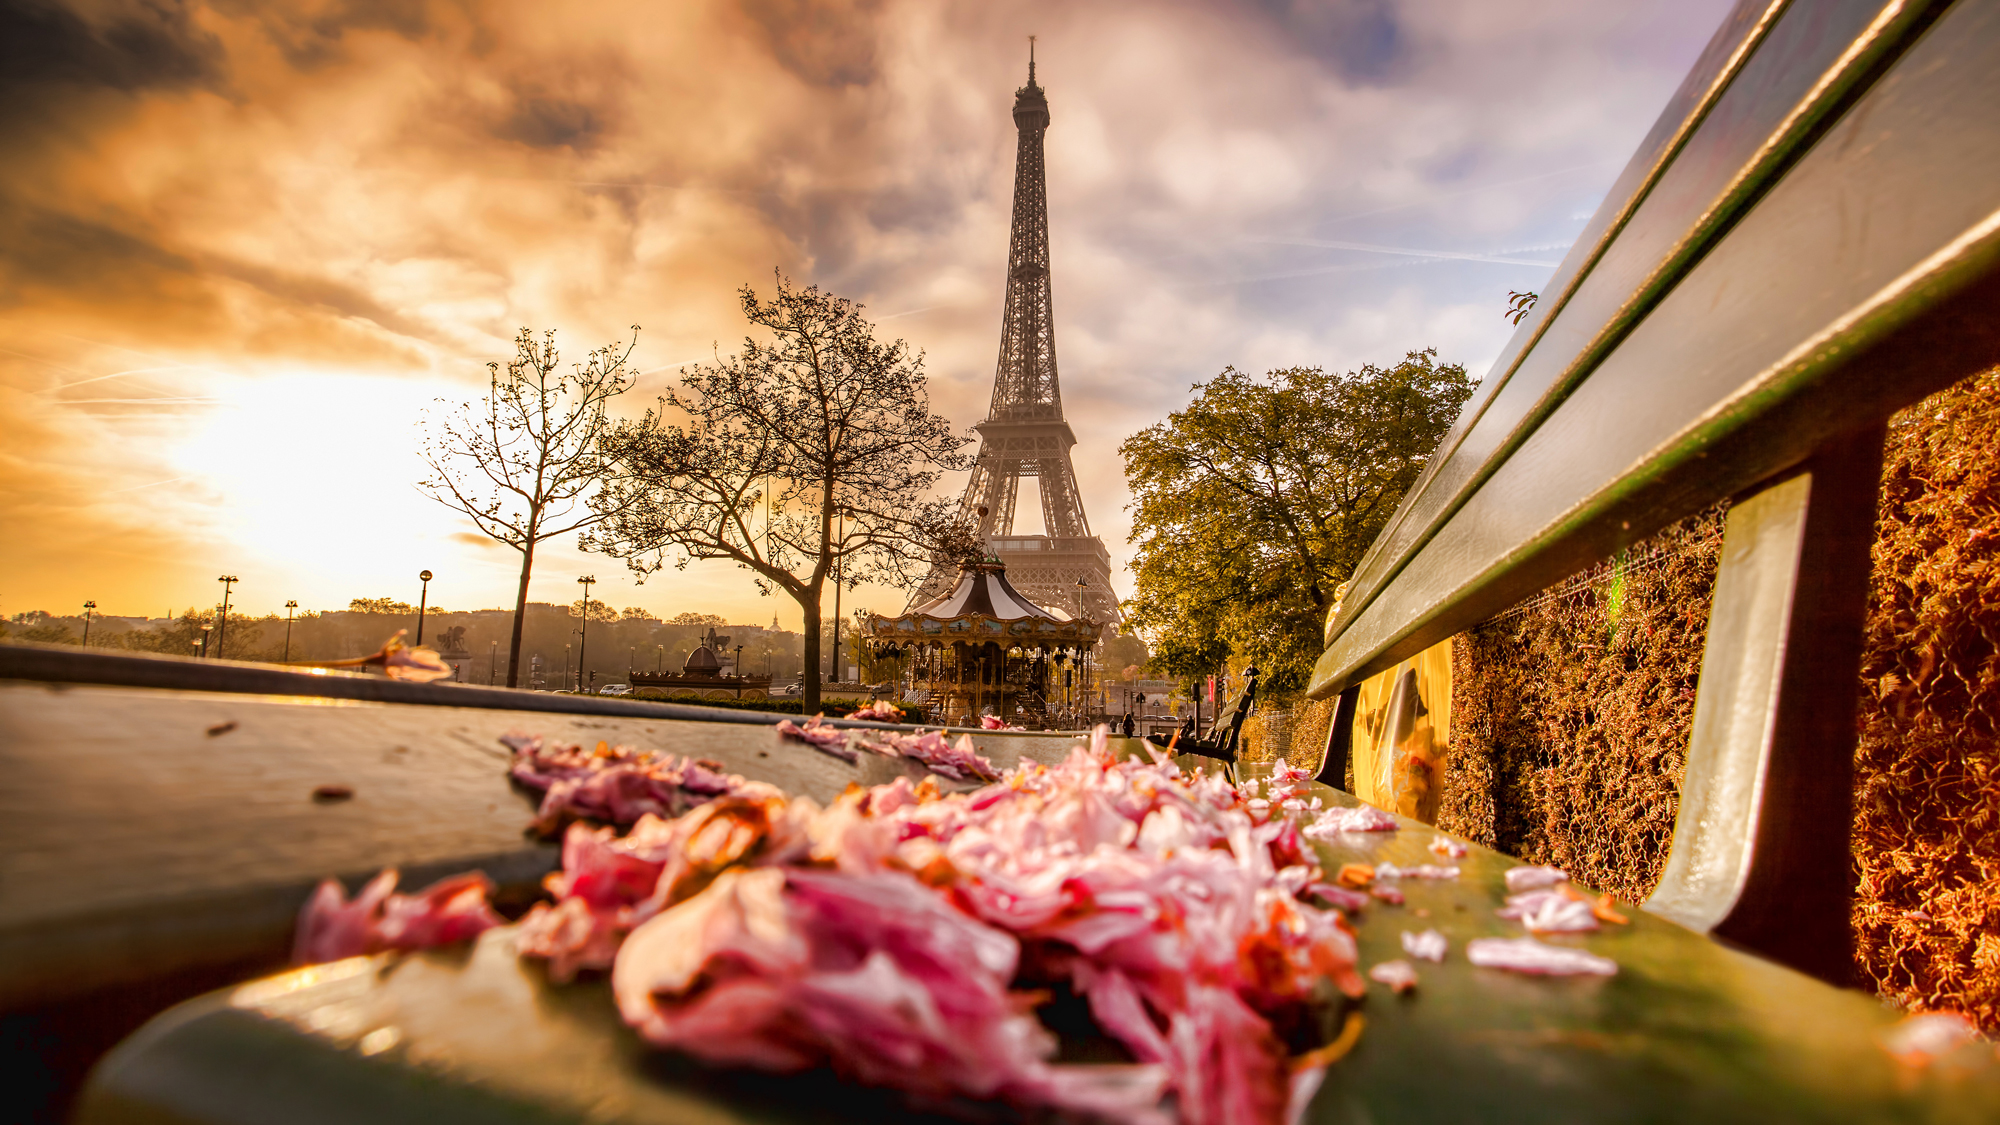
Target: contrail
[(1467, 191), (113, 375), (1370, 248), (907, 312), (137, 487)]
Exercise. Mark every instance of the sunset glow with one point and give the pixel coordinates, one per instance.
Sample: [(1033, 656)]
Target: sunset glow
[(244, 247)]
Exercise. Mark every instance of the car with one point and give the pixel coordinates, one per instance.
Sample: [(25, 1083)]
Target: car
[(615, 689)]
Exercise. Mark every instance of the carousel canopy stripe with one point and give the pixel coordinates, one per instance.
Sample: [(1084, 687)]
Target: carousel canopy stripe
[(986, 592)]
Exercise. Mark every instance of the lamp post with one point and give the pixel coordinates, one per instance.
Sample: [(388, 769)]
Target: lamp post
[(88, 607), (289, 608), (738, 669), (840, 514), (659, 658), (423, 602), (566, 686), (583, 631), (492, 662), (204, 641), (222, 621)]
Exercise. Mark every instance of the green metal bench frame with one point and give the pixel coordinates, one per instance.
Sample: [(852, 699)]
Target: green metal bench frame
[(1226, 735), (1807, 241)]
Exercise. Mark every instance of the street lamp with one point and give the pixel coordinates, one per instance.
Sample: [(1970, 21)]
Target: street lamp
[(566, 686), (423, 600), (492, 662), (845, 515), (659, 658), (204, 642), (582, 633), (87, 608), (222, 622), (289, 607)]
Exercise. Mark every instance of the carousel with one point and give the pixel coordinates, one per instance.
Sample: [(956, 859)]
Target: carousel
[(984, 649), (702, 677)]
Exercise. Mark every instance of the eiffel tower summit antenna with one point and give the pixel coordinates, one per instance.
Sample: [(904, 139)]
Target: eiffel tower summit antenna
[(1025, 433)]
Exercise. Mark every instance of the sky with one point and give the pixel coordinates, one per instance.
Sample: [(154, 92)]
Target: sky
[(246, 244)]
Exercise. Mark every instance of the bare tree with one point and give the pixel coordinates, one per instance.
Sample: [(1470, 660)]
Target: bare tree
[(523, 462), (807, 458)]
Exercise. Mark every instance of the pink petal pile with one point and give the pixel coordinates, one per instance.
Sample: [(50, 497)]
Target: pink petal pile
[(1287, 790), (879, 710), (332, 927), (616, 784), (957, 760), (905, 937), (1360, 818), (992, 722)]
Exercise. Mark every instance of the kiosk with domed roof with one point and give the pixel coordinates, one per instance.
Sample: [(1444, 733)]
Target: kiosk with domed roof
[(984, 649)]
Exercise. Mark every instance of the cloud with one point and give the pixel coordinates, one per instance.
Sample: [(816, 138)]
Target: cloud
[(243, 244), (127, 45)]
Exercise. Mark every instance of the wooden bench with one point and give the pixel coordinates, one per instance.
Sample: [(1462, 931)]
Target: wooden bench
[(1805, 243), (1226, 735)]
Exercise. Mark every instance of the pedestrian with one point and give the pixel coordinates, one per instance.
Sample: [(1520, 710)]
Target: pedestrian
[(1128, 725)]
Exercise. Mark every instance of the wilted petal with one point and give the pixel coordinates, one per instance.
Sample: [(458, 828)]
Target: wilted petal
[(1526, 955)]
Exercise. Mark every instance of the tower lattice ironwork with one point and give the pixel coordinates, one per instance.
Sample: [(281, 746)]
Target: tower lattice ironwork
[(1025, 434)]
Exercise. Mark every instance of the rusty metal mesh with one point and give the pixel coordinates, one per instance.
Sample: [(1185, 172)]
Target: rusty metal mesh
[(1570, 713), (1569, 736), (1927, 772)]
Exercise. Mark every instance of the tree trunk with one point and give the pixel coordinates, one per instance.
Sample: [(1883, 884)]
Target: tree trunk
[(809, 677), (520, 614)]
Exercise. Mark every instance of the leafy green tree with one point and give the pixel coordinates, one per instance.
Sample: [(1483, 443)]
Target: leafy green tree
[(809, 456), (1256, 502), (522, 464)]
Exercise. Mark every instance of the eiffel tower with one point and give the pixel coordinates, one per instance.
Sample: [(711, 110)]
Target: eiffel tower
[(1024, 434)]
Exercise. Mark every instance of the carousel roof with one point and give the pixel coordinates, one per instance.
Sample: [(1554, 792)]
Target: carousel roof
[(983, 589)]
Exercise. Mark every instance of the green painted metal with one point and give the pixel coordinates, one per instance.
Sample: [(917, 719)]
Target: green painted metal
[(1720, 337), (1689, 1030)]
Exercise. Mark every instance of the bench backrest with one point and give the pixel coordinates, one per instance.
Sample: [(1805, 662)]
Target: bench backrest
[(1807, 241)]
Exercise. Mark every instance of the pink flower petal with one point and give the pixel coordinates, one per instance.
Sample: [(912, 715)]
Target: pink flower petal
[(1526, 955), (1400, 976), (1534, 878), (1427, 946)]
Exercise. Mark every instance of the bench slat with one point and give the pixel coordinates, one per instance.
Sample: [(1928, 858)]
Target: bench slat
[(1804, 322), (1760, 851)]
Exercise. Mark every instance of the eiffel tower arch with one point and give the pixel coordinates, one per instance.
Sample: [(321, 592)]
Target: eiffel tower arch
[(1025, 434)]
